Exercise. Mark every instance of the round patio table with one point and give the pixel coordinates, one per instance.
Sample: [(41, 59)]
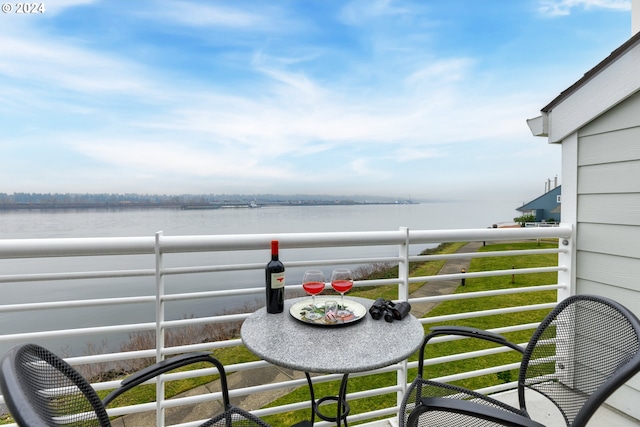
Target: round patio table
[(363, 345)]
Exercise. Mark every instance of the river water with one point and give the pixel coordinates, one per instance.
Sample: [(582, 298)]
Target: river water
[(173, 222), (274, 219)]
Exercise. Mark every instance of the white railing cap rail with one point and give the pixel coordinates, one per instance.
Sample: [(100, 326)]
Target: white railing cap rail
[(60, 247), (490, 234)]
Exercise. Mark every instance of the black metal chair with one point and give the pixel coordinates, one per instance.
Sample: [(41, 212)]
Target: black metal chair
[(585, 349), (41, 389)]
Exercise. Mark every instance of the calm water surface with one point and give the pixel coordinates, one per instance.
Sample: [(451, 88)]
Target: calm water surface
[(125, 223), (118, 223)]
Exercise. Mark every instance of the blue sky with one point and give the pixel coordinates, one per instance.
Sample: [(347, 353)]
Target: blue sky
[(424, 99)]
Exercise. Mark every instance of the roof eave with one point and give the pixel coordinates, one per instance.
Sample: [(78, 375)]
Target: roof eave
[(629, 44), (604, 86)]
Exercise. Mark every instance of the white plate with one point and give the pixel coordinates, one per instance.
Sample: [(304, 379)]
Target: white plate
[(300, 310)]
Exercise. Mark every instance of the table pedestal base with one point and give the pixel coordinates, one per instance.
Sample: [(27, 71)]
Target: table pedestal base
[(341, 399)]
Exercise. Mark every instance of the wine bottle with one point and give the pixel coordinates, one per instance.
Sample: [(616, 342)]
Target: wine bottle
[(275, 281)]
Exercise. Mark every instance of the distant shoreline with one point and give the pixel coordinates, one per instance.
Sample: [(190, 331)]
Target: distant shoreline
[(190, 206)]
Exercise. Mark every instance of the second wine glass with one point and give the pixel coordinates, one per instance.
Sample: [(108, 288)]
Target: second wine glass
[(342, 281)]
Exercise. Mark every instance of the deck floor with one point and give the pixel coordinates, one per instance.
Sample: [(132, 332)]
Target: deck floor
[(546, 414)]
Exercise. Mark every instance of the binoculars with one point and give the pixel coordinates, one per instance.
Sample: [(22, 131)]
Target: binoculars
[(389, 310)]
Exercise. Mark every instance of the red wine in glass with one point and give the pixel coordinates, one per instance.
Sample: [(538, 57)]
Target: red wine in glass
[(342, 281), (342, 286), (313, 288)]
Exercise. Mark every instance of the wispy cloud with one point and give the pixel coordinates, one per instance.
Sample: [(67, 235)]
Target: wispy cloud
[(564, 7), (204, 15), (57, 64), (160, 157), (439, 72), (357, 12), (56, 7)]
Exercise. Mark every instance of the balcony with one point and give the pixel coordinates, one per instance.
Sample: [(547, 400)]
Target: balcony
[(87, 296)]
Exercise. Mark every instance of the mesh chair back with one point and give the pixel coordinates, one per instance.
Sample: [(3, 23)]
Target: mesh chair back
[(41, 389), (585, 349)]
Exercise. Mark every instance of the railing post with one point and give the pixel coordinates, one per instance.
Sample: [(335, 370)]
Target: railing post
[(403, 295), (159, 328), (403, 267), (566, 260), (566, 277)]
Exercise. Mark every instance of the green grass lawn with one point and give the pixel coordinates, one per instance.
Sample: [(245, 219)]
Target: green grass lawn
[(490, 322)]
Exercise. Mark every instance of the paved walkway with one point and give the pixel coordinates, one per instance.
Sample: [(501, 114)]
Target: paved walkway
[(444, 287), (273, 374)]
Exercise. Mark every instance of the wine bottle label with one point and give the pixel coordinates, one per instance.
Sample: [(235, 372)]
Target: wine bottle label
[(277, 280)]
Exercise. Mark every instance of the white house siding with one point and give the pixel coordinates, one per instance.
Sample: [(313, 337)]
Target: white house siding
[(608, 216)]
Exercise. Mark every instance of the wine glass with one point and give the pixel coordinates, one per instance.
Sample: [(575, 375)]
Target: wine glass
[(342, 281), (313, 284)]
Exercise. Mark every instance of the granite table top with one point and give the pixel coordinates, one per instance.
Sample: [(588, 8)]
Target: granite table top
[(364, 345)]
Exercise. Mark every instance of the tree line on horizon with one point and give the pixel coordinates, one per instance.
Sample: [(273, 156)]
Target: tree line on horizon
[(135, 199)]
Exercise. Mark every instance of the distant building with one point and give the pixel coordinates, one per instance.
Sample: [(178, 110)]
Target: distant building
[(544, 208)]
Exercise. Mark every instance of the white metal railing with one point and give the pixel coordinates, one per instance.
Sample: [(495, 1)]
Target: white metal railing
[(60, 281)]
